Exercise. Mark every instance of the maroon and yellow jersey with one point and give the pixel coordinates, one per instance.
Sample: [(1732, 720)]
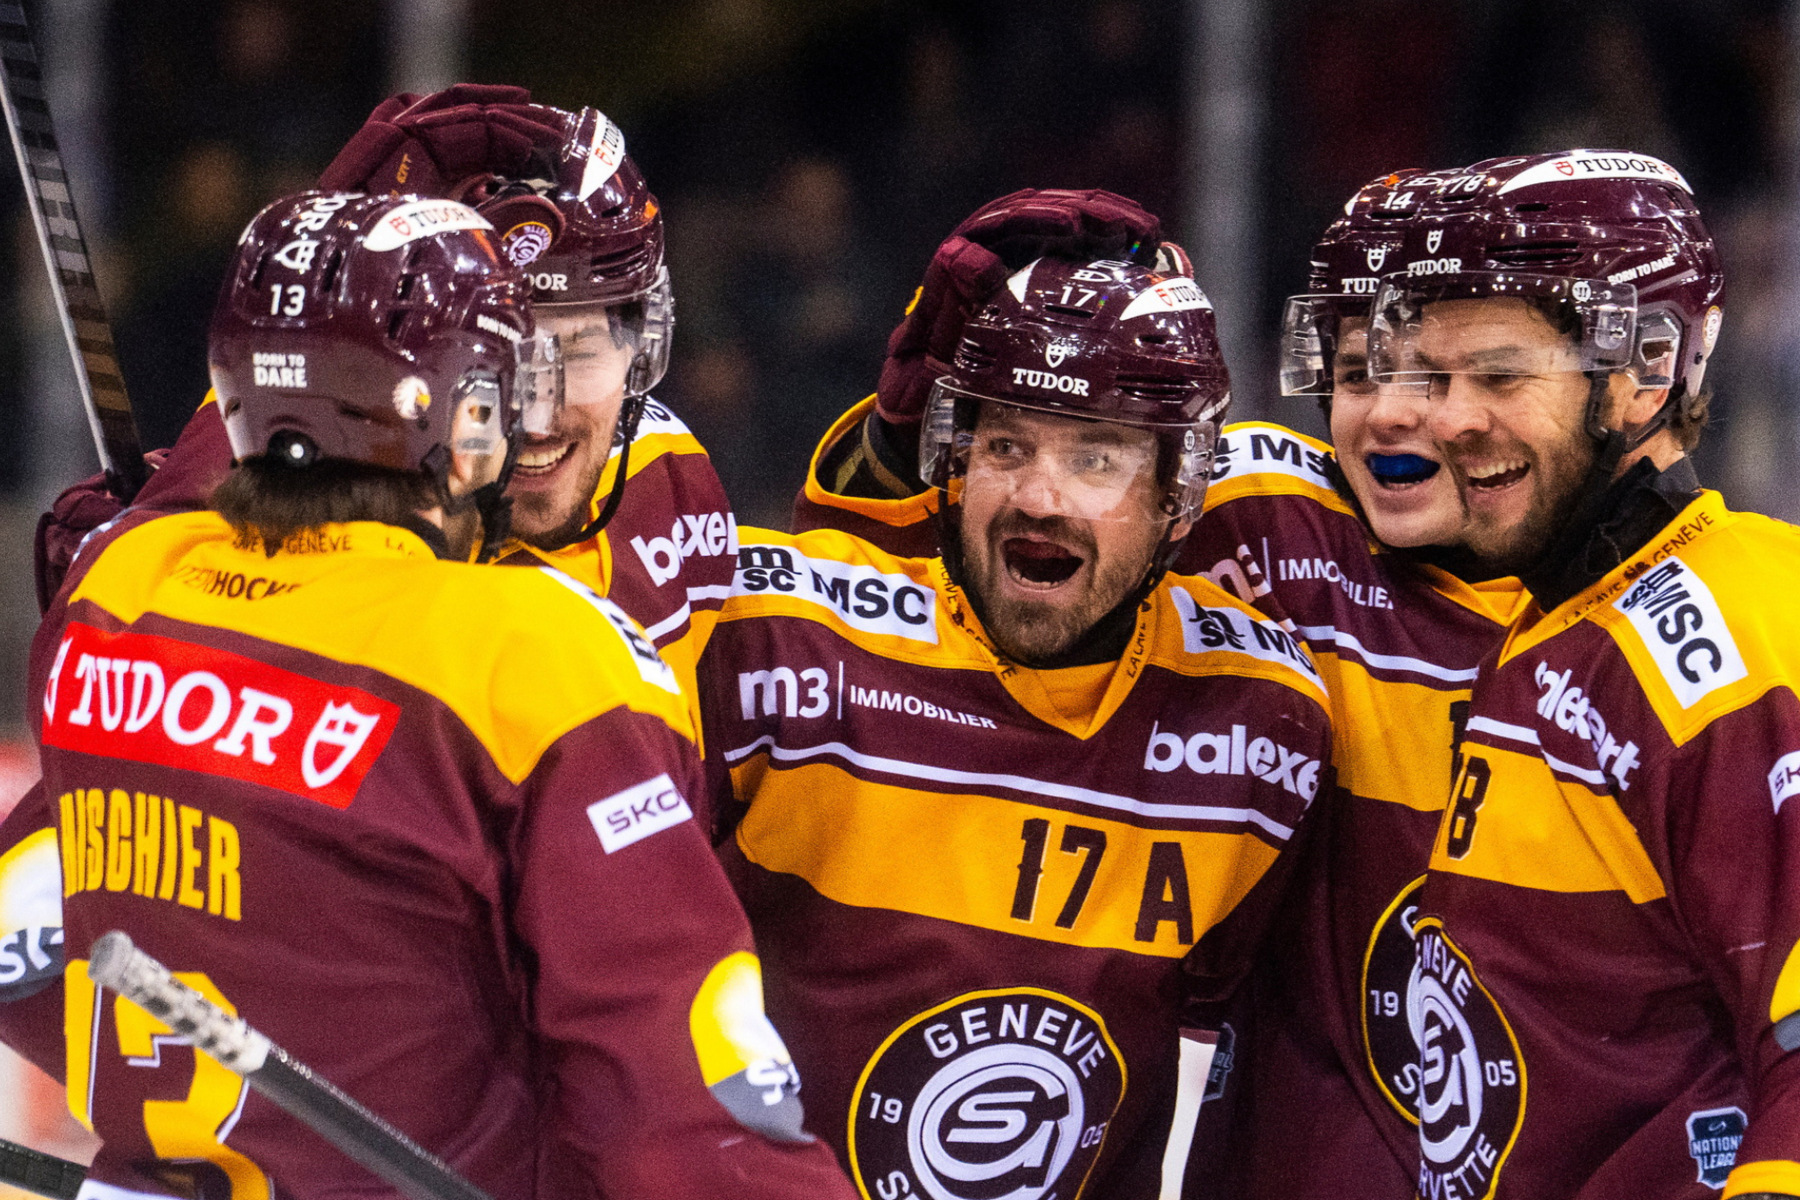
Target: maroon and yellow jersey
[(432, 828), (1320, 1108), (665, 557), (1603, 1002), (985, 894)]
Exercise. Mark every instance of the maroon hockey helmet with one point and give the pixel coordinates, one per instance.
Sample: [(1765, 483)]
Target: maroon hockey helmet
[(588, 231), (1348, 262), (1607, 241), (386, 331), (1103, 341)]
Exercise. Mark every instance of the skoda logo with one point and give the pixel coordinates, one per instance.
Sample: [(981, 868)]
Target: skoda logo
[(1376, 256), (1056, 352), (1433, 240), (996, 1095)]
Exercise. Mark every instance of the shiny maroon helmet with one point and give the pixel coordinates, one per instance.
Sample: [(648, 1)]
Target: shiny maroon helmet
[(1103, 340), (1608, 238), (1348, 262), (588, 231), (385, 331)]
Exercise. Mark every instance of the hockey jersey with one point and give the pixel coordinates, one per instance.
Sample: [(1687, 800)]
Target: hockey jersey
[(432, 828), (1607, 972), (984, 894), (1306, 1102), (1315, 1105)]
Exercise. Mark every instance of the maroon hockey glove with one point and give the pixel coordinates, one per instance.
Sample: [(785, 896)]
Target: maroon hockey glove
[(433, 144), (1001, 237), (78, 511)]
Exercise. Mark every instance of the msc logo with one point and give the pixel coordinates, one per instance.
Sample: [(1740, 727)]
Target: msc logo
[(1003, 1093), (1675, 614), (693, 535), (637, 812), (1232, 754), (1204, 629), (862, 596)]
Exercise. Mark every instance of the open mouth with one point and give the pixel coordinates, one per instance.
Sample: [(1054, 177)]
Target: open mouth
[(1039, 564), (1400, 470), (542, 460), (1491, 476)]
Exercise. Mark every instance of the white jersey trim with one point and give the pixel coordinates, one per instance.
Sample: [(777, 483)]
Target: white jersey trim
[(1517, 733), (1017, 783), (1390, 662)]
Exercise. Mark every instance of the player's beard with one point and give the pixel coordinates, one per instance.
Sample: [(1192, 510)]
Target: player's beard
[(1031, 631), (1561, 472)]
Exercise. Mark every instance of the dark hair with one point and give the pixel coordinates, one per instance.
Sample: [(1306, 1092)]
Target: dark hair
[(267, 499)]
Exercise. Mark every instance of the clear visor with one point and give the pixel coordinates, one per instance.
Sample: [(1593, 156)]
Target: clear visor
[(609, 347), (1315, 330), (539, 382), (477, 432), (1045, 462), (1498, 325)]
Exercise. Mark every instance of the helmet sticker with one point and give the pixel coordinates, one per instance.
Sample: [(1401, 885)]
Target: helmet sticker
[(525, 241), (421, 218), (1021, 279), (1171, 295), (279, 370), (297, 255), (1709, 333), (1057, 351), (411, 397), (1592, 165), (604, 156)]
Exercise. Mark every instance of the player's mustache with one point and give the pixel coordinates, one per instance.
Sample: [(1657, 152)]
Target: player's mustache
[(1014, 523)]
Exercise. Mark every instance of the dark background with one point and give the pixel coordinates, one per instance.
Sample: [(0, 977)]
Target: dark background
[(809, 155)]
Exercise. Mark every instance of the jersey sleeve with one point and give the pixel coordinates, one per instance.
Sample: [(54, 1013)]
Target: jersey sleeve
[(669, 1080), (1731, 833), (853, 487), (31, 934)]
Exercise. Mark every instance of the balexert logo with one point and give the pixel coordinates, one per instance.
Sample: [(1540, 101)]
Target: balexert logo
[(1234, 753), (1573, 712), (693, 535), (862, 596)]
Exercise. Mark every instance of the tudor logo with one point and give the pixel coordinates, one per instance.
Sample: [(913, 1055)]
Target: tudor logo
[(994, 1094), (1433, 240), (1376, 255), (1565, 167), (1057, 351)]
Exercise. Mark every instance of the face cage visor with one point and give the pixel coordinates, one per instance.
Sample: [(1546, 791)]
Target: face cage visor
[(1503, 325), (1324, 344), (602, 344), (1048, 462)]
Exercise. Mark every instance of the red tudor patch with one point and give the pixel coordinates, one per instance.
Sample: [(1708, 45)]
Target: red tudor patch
[(158, 700)]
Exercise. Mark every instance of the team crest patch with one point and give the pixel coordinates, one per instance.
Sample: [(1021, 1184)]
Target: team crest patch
[(525, 241), (1441, 1051), (1713, 1137), (995, 1095)]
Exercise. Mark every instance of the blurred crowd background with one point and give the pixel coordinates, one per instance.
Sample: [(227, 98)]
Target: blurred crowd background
[(810, 154)]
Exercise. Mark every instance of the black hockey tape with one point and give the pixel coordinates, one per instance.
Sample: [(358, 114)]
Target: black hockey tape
[(39, 1173)]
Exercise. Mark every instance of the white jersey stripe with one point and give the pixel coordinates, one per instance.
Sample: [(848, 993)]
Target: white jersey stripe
[(1517, 733), (1315, 634), (1017, 783)]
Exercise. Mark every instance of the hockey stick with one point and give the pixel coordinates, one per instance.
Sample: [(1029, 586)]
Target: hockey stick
[(359, 1133), (66, 257), (39, 1173)]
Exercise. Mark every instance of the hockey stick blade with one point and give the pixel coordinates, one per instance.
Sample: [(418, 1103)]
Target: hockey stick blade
[(66, 257), (353, 1129), (39, 1173)]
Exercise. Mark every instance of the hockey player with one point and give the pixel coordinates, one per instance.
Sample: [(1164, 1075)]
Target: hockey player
[(1605, 966), (426, 823), (617, 493), (1008, 812), (1364, 564)]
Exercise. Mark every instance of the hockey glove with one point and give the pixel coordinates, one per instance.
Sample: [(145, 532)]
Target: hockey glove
[(998, 239), (433, 144)]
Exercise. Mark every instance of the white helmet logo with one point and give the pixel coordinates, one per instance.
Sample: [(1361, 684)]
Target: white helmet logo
[(1582, 291), (1056, 352), (412, 396), (1433, 240), (1376, 256)]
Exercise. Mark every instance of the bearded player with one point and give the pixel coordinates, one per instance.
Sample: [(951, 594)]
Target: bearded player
[(424, 821), (1014, 814), (1364, 564), (617, 492), (1604, 973)]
